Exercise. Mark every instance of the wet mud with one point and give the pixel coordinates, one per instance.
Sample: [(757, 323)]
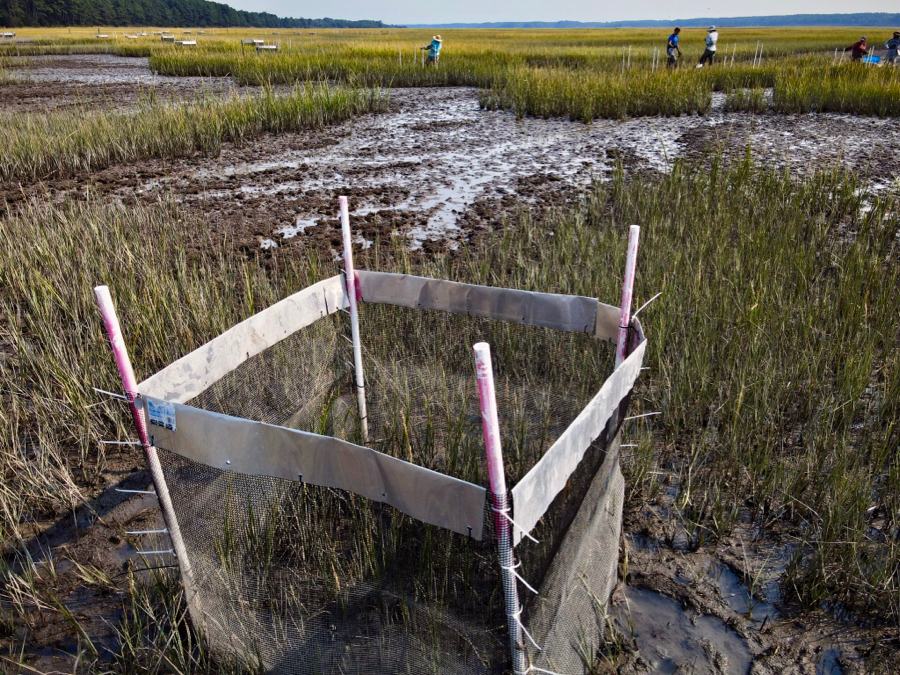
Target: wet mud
[(718, 608), (96, 81), (434, 171)]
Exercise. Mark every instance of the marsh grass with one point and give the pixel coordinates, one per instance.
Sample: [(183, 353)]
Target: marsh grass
[(586, 95), (746, 100), (43, 145), (6, 77), (775, 354), (845, 88), (582, 75), (774, 357)]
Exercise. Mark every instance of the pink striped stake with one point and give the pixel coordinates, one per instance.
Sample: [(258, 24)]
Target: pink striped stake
[(634, 234), (353, 293), (129, 383), (484, 374)]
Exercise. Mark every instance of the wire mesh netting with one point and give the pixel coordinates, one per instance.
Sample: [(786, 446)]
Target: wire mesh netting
[(305, 579), (296, 578), (422, 397)]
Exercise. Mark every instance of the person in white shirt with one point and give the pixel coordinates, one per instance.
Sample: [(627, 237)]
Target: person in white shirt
[(709, 55)]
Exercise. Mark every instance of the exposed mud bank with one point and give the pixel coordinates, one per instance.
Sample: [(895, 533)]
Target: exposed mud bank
[(436, 170), (96, 81)]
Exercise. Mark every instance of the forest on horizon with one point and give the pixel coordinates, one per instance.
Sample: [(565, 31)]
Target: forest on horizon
[(202, 13)]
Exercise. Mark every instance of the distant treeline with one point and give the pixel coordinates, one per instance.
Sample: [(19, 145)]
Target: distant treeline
[(152, 13), (860, 19)]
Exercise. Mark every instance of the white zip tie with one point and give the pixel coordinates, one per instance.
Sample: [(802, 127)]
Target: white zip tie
[(517, 616), (645, 304), (637, 417), (166, 552), (110, 393), (519, 577), (120, 442), (506, 515), (163, 531), (137, 492), (628, 445)]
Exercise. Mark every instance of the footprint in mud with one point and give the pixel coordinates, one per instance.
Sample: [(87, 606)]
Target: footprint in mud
[(671, 640)]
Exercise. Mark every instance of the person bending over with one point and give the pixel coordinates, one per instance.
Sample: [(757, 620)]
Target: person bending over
[(673, 51), (858, 49)]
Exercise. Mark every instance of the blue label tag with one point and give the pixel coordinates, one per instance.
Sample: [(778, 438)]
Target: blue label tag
[(161, 414)]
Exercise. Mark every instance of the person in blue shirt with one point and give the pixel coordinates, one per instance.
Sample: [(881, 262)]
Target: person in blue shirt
[(673, 51), (434, 51)]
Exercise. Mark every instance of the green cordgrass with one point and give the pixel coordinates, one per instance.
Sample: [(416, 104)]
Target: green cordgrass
[(44, 145), (583, 75), (774, 350)]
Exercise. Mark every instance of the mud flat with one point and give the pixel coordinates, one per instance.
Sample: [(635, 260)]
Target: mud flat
[(437, 170), (95, 80)]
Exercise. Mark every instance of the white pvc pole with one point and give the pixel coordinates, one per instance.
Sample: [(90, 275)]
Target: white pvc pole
[(484, 374), (129, 383), (352, 295), (634, 233)]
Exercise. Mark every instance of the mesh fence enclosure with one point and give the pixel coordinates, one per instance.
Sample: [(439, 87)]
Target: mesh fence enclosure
[(300, 561)]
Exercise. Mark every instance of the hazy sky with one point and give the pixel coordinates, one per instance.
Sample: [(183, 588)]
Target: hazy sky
[(476, 11)]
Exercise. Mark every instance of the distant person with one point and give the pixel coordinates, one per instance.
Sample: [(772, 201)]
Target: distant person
[(709, 55), (434, 51), (893, 46), (673, 51), (858, 49)]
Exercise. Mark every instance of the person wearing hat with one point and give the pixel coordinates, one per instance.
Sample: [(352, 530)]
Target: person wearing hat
[(673, 51), (893, 46), (434, 51), (709, 55), (858, 49)]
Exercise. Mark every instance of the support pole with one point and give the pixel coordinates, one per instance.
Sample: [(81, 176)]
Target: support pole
[(129, 383), (352, 290), (484, 374), (634, 233)]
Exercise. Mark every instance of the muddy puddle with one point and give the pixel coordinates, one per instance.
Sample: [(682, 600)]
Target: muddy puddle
[(670, 640), (718, 608)]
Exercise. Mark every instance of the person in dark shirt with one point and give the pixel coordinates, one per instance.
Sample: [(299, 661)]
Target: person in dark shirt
[(893, 46), (673, 51), (858, 49)]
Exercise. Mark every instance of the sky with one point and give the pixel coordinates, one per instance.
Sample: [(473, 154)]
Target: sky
[(478, 11)]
